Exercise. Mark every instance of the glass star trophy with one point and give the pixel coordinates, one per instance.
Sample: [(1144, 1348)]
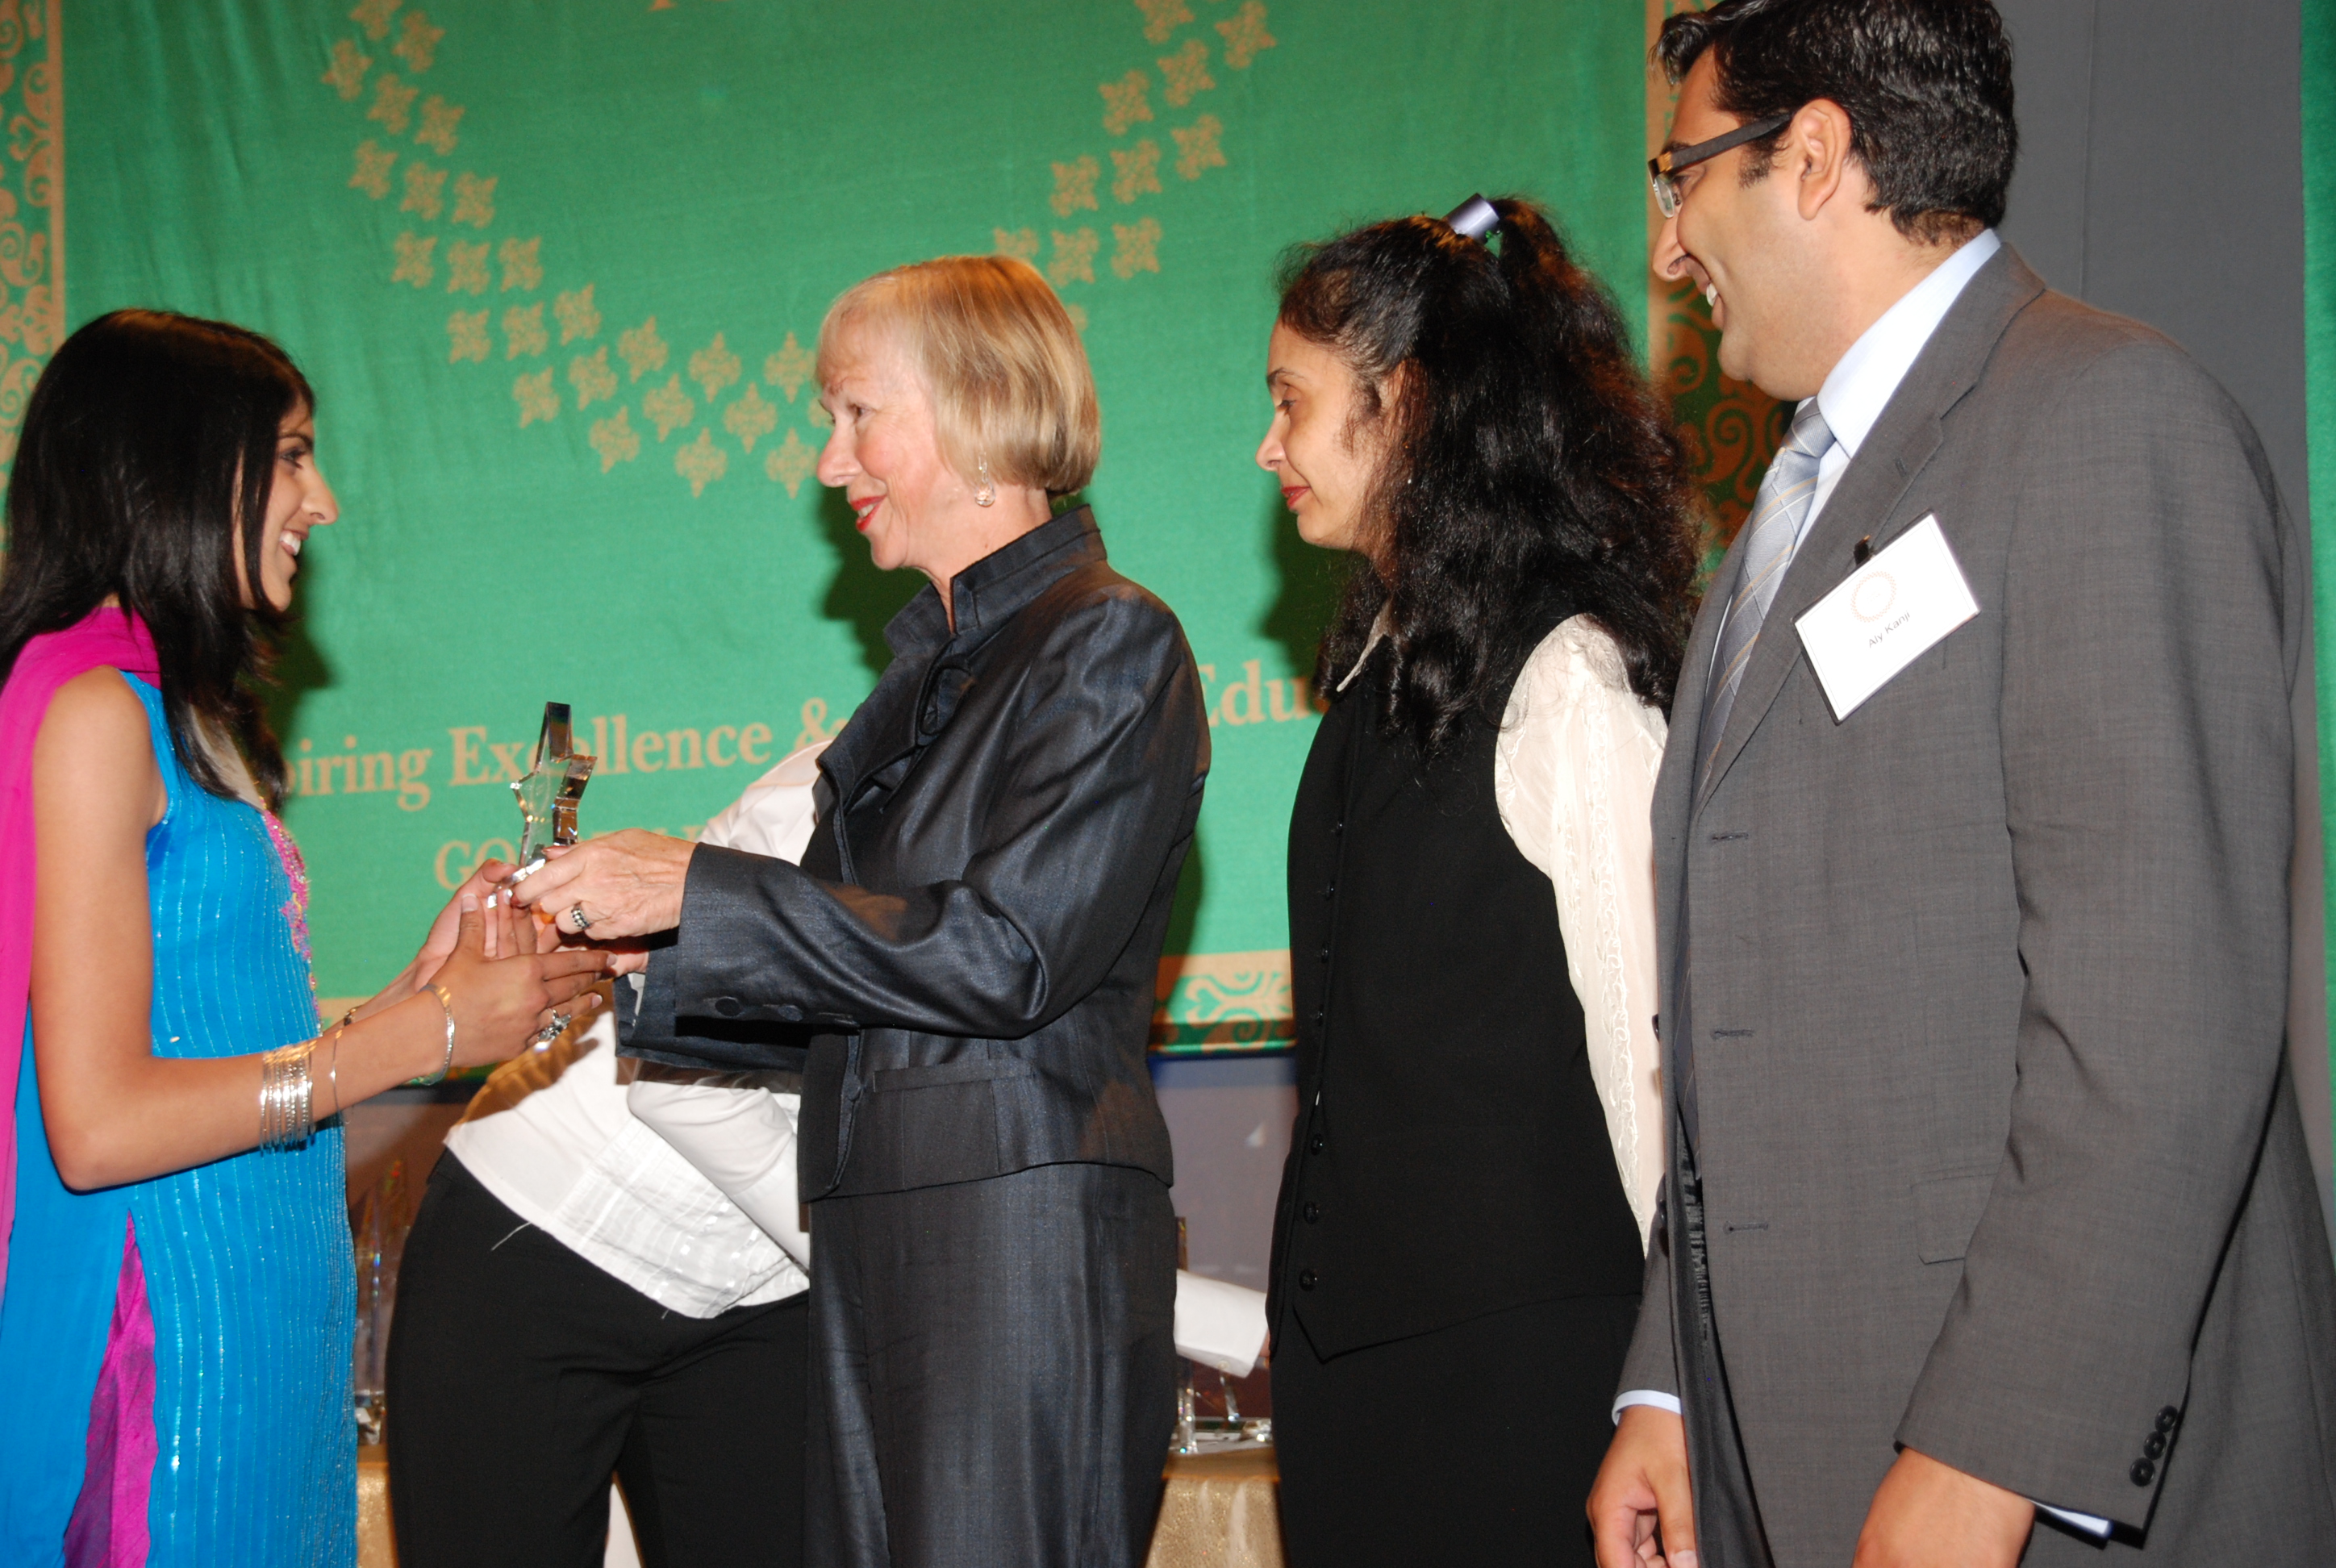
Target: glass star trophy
[(548, 795), (549, 792)]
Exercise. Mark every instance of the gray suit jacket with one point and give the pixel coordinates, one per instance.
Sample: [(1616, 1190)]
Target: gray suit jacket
[(1999, 1157)]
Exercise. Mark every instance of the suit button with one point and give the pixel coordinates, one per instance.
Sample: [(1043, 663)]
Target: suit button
[(2168, 1418), (2156, 1447), (1329, 889), (1318, 1015), (2143, 1473), (1341, 827), (1312, 1212), (1305, 1278), (1317, 1144), (1324, 955), (791, 1013), (727, 1006)]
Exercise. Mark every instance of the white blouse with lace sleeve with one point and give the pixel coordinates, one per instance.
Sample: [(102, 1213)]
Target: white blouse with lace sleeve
[(1573, 772)]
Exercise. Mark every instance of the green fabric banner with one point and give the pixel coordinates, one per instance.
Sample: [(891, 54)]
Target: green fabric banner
[(2320, 374), (556, 270)]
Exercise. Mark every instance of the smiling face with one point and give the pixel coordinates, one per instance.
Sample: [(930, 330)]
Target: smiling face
[(885, 456), (298, 500), (1743, 245), (1325, 461)]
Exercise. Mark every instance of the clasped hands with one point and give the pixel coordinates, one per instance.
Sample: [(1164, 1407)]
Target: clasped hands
[(1925, 1514), (610, 892)]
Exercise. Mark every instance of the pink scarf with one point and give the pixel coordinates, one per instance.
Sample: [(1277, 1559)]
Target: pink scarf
[(105, 637)]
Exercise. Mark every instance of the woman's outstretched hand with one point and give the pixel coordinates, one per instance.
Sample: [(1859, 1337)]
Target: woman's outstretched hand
[(627, 884), (505, 989)]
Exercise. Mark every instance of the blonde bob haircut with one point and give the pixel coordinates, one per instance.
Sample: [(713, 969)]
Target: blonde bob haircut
[(1009, 376)]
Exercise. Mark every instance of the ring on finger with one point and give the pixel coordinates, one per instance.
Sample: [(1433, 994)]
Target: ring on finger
[(552, 1031), (583, 923)]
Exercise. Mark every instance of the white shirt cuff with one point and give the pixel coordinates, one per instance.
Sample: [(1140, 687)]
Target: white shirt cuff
[(1645, 1397), (2085, 1521)]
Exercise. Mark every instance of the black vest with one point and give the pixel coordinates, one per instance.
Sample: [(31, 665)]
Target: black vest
[(1450, 1157)]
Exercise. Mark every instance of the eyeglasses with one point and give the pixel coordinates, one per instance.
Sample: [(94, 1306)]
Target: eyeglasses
[(1664, 168)]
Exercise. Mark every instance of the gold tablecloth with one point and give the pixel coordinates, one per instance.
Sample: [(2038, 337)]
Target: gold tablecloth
[(1218, 1511), (376, 1547)]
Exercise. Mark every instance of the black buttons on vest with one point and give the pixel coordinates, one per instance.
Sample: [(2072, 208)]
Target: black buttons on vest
[(1306, 1279), (2143, 1473), (1312, 1212), (727, 1006), (1330, 890), (1317, 1018), (1324, 955), (1318, 1143)]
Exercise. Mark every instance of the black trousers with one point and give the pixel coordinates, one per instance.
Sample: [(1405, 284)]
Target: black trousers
[(520, 1375), (993, 1372), (1472, 1446)]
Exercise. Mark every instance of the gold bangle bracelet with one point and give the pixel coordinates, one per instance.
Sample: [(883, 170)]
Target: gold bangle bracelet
[(445, 1002)]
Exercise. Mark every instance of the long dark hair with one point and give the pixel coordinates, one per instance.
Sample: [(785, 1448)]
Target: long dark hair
[(1528, 465), (146, 439)]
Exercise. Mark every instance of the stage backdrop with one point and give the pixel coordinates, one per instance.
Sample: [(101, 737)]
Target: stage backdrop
[(557, 269)]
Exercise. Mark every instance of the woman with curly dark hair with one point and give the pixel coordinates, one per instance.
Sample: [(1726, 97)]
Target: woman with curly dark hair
[(1458, 1248)]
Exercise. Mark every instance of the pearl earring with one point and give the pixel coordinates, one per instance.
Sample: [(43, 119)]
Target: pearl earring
[(986, 492)]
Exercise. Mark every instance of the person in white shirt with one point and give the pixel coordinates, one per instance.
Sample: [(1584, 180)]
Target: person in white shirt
[(577, 1298)]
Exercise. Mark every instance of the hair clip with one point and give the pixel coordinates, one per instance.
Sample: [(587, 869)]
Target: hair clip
[(1473, 218)]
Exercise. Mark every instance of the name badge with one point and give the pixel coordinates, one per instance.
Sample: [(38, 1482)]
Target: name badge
[(1883, 615)]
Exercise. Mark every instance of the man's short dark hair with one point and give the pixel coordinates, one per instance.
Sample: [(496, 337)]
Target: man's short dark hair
[(1926, 84)]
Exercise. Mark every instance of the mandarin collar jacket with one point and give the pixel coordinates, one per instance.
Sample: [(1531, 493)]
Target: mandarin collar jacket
[(965, 964)]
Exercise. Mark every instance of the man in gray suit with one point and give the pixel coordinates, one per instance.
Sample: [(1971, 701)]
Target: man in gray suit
[(1989, 1230)]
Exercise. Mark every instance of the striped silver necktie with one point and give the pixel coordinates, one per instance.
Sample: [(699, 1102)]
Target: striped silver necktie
[(1778, 512)]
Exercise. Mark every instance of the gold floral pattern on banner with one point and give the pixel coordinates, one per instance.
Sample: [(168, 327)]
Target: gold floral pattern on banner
[(1185, 71), (1074, 259), (791, 462), (791, 364), (1137, 171), (523, 330), (32, 205), (1235, 1002), (701, 462), (642, 350), (1163, 17), (616, 440), (356, 70), (1125, 103), (1245, 35)]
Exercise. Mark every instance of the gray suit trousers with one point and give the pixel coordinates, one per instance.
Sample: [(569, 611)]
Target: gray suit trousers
[(993, 1372)]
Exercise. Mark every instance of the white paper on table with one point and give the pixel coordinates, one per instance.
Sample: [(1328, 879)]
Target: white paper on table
[(1218, 1324)]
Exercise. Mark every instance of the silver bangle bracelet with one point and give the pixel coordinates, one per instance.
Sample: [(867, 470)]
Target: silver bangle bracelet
[(445, 1002), (287, 1098)]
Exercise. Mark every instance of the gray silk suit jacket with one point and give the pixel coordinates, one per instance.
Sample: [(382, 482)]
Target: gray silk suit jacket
[(964, 965), (1999, 1157)]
